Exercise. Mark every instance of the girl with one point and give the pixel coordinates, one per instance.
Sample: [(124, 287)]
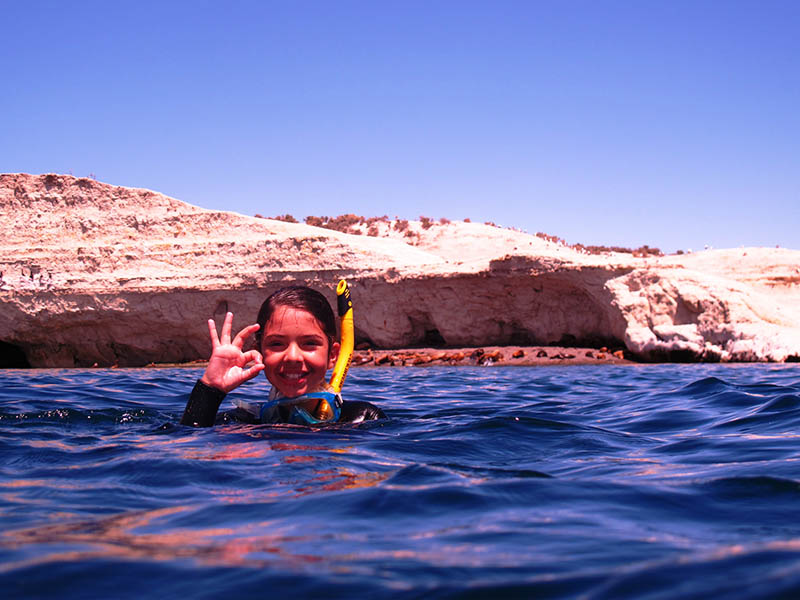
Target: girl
[(296, 340)]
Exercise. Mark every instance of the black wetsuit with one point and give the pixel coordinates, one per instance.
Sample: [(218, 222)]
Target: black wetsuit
[(204, 402)]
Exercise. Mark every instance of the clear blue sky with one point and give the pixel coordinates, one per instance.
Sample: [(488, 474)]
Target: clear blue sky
[(673, 123)]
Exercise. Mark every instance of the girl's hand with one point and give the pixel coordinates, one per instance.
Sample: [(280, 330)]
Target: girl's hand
[(226, 368)]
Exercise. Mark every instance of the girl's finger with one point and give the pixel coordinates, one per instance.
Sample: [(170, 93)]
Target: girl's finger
[(253, 356), (226, 328), (248, 374), (245, 333), (212, 332)]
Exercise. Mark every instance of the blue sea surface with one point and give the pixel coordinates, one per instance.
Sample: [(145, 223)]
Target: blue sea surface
[(658, 481)]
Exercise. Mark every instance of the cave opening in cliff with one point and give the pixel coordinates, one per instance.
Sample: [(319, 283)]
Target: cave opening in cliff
[(521, 337), (433, 339), (12, 357), (362, 340), (590, 341)]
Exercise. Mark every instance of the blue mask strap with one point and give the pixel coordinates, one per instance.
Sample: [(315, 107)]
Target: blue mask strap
[(300, 416)]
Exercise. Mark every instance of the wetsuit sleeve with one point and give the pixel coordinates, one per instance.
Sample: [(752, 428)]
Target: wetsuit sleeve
[(204, 402), (355, 411)]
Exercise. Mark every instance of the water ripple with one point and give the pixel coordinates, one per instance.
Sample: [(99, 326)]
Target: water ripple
[(592, 482)]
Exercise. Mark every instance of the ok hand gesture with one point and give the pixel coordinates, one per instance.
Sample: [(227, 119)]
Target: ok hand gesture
[(226, 368)]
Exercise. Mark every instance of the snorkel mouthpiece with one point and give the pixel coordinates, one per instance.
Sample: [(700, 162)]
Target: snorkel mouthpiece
[(328, 409), (344, 306)]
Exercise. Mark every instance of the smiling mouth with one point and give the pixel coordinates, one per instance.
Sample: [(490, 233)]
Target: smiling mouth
[(293, 376)]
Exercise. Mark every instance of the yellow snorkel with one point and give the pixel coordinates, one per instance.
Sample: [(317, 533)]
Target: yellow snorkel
[(345, 308)]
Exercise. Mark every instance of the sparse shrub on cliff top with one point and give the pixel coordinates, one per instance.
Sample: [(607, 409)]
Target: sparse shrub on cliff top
[(372, 220), (647, 251), (643, 251), (344, 223), (599, 249), (550, 238), (287, 218), (357, 225)]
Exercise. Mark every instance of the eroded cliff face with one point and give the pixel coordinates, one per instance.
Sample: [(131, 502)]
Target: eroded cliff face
[(99, 274)]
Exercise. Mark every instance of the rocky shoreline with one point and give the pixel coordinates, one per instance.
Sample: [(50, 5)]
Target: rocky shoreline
[(485, 356), (489, 355)]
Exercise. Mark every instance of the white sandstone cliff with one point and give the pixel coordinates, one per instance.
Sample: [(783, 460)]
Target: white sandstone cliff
[(94, 273)]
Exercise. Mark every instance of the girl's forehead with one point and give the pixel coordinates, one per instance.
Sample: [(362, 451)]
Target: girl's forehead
[(288, 317)]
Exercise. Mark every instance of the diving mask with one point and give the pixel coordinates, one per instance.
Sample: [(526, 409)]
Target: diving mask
[(328, 409)]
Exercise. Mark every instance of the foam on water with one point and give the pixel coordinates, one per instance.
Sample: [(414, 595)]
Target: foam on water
[(598, 482)]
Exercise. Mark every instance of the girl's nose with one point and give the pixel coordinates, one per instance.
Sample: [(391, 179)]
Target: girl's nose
[(293, 352)]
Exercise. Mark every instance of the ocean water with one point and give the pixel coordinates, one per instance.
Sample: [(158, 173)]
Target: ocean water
[(659, 481)]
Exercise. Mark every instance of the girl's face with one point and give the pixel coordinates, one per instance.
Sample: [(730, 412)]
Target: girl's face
[(295, 351)]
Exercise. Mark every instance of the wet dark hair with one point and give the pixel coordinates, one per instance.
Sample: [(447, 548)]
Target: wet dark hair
[(302, 298)]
